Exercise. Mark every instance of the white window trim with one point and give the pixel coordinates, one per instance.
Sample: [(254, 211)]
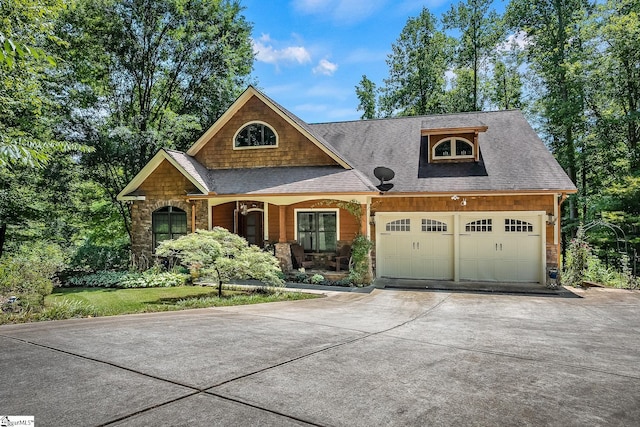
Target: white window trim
[(251, 122), (295, 219), (453, 149)]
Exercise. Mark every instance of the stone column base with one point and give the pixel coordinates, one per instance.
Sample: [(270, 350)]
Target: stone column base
[(283, 253)]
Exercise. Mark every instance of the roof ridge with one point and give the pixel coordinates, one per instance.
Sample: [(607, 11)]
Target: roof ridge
[(378, 119)]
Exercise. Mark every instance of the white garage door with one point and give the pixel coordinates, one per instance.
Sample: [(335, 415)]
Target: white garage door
[(500, 248), (416, 246), (491, 246)]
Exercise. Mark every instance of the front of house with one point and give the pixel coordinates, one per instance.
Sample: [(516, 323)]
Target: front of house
[(472, 196)]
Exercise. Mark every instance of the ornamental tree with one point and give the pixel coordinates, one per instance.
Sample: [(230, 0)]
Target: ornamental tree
[(223, 256)]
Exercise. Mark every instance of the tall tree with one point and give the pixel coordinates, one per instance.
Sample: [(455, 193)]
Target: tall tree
[(366, 93), (417, 65), (481, 30), (554, 48), (146, 74)]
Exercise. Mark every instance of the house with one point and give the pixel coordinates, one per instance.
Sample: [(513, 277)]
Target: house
[(471, 196)]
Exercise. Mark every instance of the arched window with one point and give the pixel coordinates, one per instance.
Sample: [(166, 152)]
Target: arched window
[(450, 148), (168, 223), (255, 135)]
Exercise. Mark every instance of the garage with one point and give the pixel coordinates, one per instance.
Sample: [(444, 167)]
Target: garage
[(482, 246)]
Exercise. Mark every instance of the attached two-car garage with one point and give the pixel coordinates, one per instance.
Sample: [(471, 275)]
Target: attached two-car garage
[(482, 246)]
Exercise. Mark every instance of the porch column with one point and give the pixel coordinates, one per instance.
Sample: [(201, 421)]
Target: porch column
[(282, 236), (283, 249), (364, 220)]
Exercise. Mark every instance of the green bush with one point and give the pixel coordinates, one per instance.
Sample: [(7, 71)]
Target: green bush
[(317, 279), (152, 278), (101, 279), (360, 248), (30, 272), (92, 256)]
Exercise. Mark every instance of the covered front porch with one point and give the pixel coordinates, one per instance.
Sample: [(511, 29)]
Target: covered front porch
[(319, 225)]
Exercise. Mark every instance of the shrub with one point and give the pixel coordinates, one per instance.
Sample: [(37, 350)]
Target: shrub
[(154, 279), (29, 273), (360, 248), (101, 279), (91, 256), (576, 264), (317, 279)]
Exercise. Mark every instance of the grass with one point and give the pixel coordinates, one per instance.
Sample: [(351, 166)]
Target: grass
[(66, 303)]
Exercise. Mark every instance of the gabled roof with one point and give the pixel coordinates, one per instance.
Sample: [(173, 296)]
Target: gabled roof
[(514, 157), (291, 118), (188, 166)]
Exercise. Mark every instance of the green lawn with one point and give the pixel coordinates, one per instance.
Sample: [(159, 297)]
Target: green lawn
[(108, 302)]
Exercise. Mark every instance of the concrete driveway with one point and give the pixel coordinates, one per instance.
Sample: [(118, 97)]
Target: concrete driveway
[(391, 357)]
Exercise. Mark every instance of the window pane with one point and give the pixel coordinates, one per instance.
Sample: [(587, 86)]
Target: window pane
[(178, 223), (160, 223), (443, 149), (327, 241), (463, 148), (255, 135)]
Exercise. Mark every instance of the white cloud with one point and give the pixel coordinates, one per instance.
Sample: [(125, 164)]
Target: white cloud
[(518, 40), (266, 52), (325, 67)]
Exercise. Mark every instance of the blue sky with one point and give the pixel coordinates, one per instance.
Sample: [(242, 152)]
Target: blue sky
[(310, 54)]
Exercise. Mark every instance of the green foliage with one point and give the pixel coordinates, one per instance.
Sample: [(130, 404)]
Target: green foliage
[(223, 256), (152, 278), (367, 95), (360, 249), (576, 262), (100, 279), (66, 309), (29, 273), (481, 30), (180, 64), (317, 279), (417, 65)]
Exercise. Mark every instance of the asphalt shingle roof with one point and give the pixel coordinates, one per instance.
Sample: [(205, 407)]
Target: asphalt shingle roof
[(513, 158), (513, 155), (284, 180)]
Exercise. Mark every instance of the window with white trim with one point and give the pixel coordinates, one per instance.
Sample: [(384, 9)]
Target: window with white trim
[(399, 225), (517, 226), (255, 135), (317, 230), (432, 225), (453, 148), (479, 226)]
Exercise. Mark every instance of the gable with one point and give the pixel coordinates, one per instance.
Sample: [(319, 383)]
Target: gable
[(295, 145), (165, 174), (166, 181)]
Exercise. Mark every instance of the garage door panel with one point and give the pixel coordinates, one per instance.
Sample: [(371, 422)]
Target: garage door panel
[(414, 246), (493, 246)]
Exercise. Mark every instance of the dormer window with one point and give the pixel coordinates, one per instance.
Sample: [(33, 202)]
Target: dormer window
[(255, 135), (453, 148)]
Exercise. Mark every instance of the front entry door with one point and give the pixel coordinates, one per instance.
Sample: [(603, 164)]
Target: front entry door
[(251, 227)]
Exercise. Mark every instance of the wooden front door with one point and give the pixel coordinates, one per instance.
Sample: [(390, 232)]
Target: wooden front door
[(250, 227)]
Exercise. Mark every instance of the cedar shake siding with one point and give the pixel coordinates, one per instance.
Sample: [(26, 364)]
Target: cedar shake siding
[(293, 149)]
